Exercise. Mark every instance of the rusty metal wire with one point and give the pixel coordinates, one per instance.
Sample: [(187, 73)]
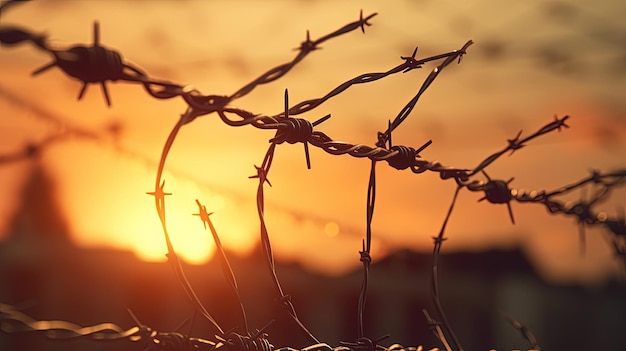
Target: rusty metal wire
[(96, 64)]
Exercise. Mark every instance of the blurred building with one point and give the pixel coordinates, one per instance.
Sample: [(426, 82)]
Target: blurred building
[(46, 276)]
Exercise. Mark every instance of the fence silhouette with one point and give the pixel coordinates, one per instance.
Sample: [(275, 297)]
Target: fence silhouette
[(97, 64)]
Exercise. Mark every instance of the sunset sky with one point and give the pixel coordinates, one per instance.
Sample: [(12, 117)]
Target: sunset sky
[(529, 62)]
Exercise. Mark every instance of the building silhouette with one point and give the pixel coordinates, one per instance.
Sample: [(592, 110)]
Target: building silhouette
[(43, 274)]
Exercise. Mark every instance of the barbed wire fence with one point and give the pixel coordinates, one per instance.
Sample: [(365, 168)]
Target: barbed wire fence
[(96, 64)]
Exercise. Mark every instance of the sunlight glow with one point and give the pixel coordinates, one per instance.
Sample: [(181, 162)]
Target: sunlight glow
[(133, 224)]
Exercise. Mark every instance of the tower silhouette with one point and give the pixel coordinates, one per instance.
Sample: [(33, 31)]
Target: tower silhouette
[(39, 220)]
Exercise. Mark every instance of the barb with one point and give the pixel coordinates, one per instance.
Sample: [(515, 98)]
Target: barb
[(305, 48), (295, 130), (226, 268), (497, 192), (83, 63)]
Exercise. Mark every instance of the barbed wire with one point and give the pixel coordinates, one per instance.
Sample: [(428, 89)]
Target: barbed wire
[(96, 64), (14, 321)]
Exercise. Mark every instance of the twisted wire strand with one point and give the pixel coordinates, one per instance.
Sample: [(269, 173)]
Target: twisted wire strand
[(517, 143), (406, 111), (14, 321), (410, 63), (305, 48)]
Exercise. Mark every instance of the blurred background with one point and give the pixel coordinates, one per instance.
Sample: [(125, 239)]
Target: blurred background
[(81, 240)]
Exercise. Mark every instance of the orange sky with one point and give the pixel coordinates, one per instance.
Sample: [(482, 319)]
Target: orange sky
[(528, 63)]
